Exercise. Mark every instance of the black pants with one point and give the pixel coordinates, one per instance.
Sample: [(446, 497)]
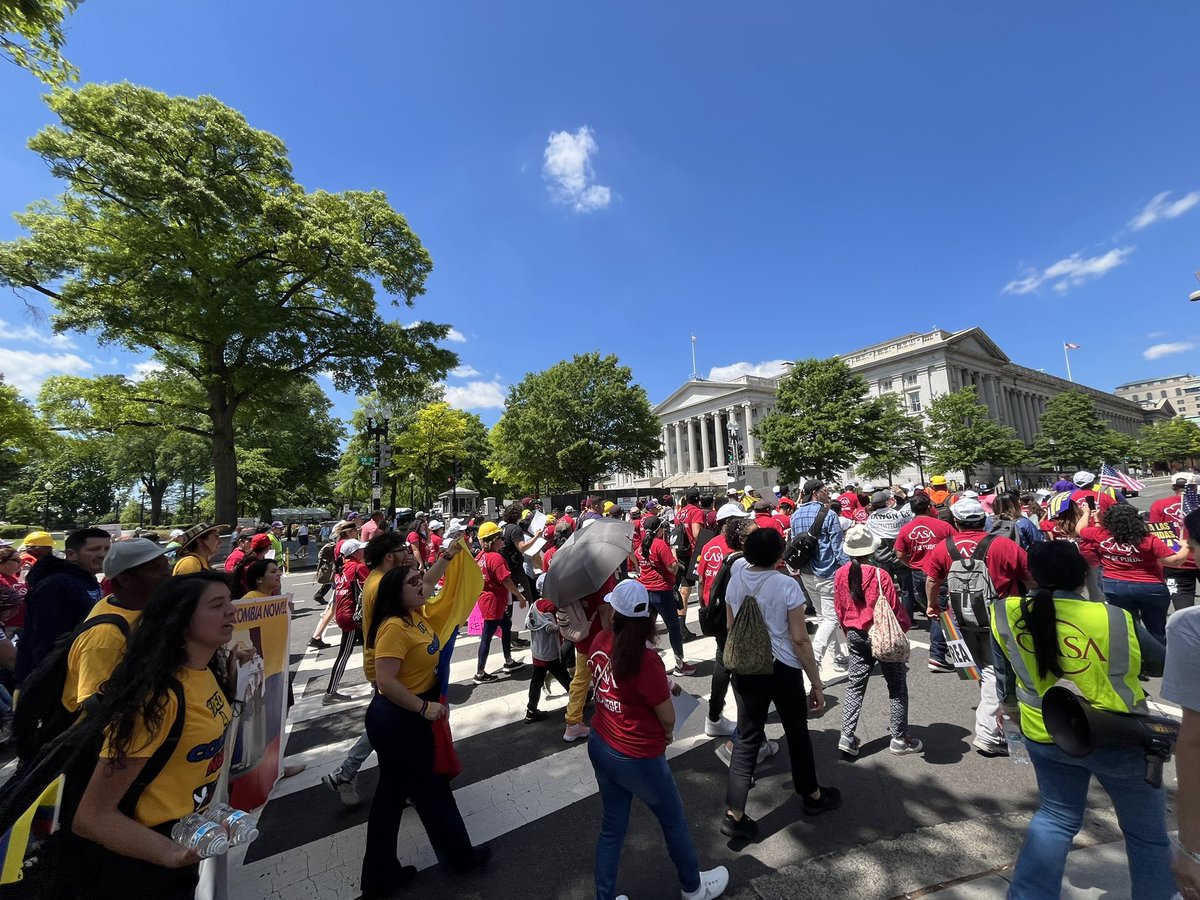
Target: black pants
[(403, 743), (720, 679), (754, 694), (558, 669), (345, 651), (322, 591), (87, 870)]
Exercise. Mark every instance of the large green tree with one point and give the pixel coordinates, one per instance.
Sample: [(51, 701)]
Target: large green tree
[(963, 436), (32, 37), (1173, 441), (1071, 435), (80, 491), (576, 422), (823, 422), (181, 231), (898, 439)]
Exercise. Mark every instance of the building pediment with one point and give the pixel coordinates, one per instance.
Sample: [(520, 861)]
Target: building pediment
[(697, 393), (974, 340)]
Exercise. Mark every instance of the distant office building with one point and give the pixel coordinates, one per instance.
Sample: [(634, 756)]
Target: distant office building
[(1181, 392)]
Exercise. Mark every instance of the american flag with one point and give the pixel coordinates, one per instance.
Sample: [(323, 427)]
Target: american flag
[(1071, 346), (1190, 501), (1110, 477)]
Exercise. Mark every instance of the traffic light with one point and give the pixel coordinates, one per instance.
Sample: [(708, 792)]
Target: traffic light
[(458, 469)]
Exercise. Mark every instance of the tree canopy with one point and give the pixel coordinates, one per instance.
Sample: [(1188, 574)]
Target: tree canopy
[(962, 436), (1173, 441), (181, 231), (574, 423), (898, 439), (1071, 435), (32, 37)]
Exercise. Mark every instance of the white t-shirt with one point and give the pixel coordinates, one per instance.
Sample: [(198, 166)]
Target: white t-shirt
[(776, 593), (1180, 684)]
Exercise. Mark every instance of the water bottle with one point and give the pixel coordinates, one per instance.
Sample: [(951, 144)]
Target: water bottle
[(197, 833), (241, 827), (1017, 751)]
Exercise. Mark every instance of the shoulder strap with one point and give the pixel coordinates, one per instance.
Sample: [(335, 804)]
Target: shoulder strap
[(982, 548), (103, 619), (952, 549), (819, 521), (158, 761)]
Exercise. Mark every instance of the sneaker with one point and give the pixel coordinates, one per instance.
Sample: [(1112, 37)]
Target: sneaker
[(519, 643), (546, 688), (848, 745), (335, 697), (320, 601), (318, 644), (689, 635), (477, 858), (535, 715), (575, 732), (345, 788), (841, 663), (990, 748), (744, 830), (712, 883), (831, 798), (768, 749), (719, 727), (685, 668), (724, 754), (940, 665), (906, 746), (485, 677), (512, 665), (403, 876)]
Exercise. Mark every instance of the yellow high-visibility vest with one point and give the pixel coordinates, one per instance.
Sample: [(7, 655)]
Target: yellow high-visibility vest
[(1097, 647)]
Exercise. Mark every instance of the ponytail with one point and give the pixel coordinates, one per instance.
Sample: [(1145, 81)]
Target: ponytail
[(650, 530), (854, 580), (1039, 620)]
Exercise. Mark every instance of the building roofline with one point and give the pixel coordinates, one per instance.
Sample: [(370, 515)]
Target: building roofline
[(1130, 384)]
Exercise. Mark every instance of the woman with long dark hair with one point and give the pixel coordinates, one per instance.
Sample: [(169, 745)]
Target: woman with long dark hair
[(404, 635), (1009, 521), (631, 728), (1133, 561), (174, 665), (657, 567), (1051, 635), (261, 578)]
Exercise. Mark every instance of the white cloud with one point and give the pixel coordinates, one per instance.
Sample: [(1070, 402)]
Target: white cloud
[(1163, 208), (26, 370), (1070, 272), (1158, 351), (464, 372), (768, 369), (457, 336), (149, 367), (475, 395), (27, 334), (568, 171)]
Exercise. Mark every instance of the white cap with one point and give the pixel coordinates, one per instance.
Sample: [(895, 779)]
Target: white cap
[(748, 488), (968, 509), (909, 487), (1083, 478), (569, 509), (866, 487), (176, 532), (631, 599), (968, 495), (775, 489), (435, 525), (351, 546), (731, 510)]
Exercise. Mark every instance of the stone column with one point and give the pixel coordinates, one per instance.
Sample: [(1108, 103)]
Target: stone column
[(693, 458), (750, 453), (705, 436), (679, 467), (666, 451), (1033, 425), (719, 438)]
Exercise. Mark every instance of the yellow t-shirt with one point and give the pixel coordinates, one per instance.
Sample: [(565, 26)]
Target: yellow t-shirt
[(188, 564), (189, 779), (417, 647), (95, 654), (370, 590)]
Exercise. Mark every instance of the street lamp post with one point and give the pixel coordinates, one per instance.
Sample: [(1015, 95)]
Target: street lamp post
[(378, 418), (46, 509), (141, 508), (412, 491)]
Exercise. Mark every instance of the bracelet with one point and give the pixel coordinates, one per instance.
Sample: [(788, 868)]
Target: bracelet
[(1190, 854), (424, 706)]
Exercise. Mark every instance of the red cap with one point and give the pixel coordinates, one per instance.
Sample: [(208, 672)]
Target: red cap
[(260, 542)]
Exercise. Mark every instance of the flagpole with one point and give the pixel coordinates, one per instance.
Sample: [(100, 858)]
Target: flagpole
[(1067, 358), (693, 356)]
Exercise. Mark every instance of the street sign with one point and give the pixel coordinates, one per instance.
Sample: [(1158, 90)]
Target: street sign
[(366, 460), (376, 492)]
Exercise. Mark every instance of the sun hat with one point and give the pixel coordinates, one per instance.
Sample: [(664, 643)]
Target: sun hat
[(631, 599), (731, 511), (860, 541), (488, 530), (192, 534), (126, 555), (38, 539)]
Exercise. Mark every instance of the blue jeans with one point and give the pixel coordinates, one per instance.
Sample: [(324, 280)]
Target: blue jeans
[(664, 603), (1149, 602), (1063, 783), (356, 757), (937, 640), (621, 778)]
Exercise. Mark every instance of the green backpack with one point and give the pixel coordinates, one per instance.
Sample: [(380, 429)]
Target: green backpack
[(748, 648)]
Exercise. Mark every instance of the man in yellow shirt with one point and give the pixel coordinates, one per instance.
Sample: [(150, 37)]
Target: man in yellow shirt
[(197, 546), (135, 568)]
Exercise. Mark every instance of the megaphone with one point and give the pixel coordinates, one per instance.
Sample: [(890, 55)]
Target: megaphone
[(1077, 728)]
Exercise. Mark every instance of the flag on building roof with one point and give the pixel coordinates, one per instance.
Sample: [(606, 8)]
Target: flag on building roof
[(1110, 477), (1071, 346)]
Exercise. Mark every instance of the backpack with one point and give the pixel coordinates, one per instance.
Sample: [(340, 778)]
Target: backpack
[(886, 556), (889, 643), (347, 602), (748, 648), (803, 547), (1005, 528), (40, 716), (969, 586), (325, 564), (574, 624), (543, 635), (713, 616)]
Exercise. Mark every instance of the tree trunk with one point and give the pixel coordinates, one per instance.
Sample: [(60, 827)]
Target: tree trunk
[(157, 489), (224, 459)]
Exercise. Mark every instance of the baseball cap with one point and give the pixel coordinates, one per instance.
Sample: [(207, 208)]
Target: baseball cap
[(813, 484), (631, 599), (126, 555), (276, 524), (488, 530), (351, 516), (1181, 479), (968, 509), (731, 511), (351, 546), (909, 487), (881, 497), (260, 542), (1083, 478), (692, 494), (569, 509), (608, 505), (39, 539), (435, 525)]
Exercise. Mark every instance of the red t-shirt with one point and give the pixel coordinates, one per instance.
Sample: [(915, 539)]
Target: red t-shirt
[(765, 520), (624, 716), (232, 560), (1101, 500), (1170, 509), (710, 519), (686, 517), (1052, 531), (712, 555), (17, 619), (918, 537), (493, 601), (849, 501), (435, 547), (1124, 562), (783, 520), (1006, 562), (860, 515), (417, 541), (655, 574), (591, 609), (547, 555)]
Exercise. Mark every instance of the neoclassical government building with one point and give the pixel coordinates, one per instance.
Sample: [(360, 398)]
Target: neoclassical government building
[(700, 417)]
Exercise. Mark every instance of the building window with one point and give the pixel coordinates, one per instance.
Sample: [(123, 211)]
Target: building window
[(910, 378), (885, 384), (914, 401), (1135, 398), (1178, 392), (1163, 394)]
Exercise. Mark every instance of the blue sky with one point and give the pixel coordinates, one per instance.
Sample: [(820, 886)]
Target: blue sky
[(780, 179)]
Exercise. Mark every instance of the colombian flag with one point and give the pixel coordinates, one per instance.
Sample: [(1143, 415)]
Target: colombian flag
[(33, 826)]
